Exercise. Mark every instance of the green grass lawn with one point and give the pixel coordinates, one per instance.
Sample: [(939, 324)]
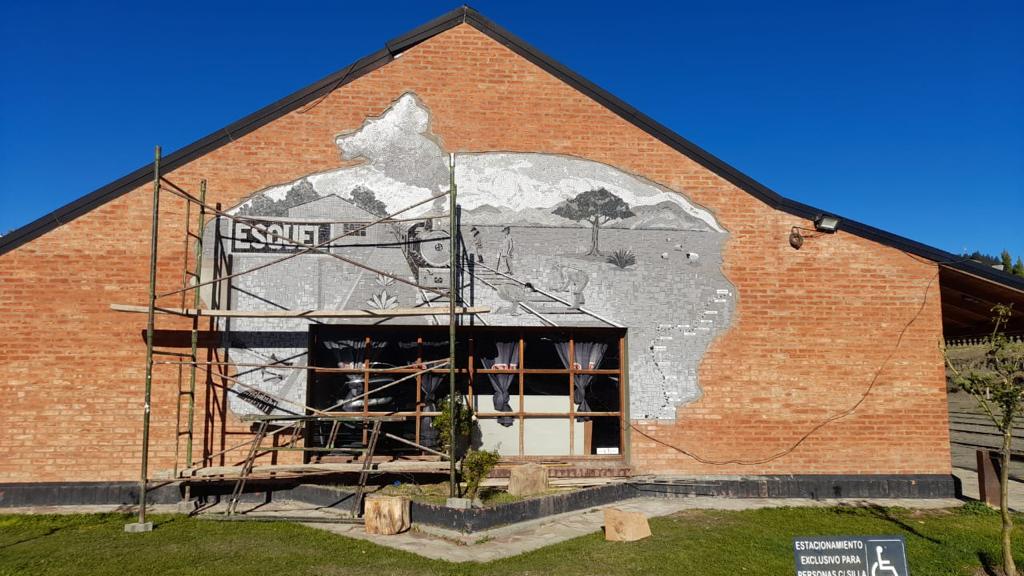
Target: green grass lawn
[(706, 543)]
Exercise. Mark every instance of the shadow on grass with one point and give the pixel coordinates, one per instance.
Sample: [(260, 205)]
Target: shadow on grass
[(49, 532), (170, 520), (990, 564), (115, 517), (883, 513)]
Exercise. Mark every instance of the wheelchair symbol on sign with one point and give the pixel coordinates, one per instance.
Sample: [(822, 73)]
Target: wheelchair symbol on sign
[(882, 566)]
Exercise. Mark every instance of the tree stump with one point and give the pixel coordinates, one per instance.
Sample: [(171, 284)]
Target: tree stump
[(386, 515), (622, 526), (528, 480)]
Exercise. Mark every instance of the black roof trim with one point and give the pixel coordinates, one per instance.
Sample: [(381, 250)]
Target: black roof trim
[(465, 14)]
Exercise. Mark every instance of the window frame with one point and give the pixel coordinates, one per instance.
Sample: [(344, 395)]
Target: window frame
[(468, 374)]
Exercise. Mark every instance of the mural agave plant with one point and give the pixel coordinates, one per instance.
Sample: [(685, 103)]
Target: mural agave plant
[(623, 258)]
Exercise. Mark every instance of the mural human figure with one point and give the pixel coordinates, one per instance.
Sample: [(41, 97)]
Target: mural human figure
[(506, 250), (514, 294), (478, 244), (569, 279)]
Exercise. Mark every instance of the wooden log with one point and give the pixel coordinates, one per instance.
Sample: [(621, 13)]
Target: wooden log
[(386, 515), (620, 526), (391, 312), (528, 480)]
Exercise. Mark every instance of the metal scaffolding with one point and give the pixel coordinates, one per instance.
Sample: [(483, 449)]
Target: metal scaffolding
[(276, 425)]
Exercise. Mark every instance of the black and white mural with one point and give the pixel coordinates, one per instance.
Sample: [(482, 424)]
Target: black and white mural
[(549, 240)]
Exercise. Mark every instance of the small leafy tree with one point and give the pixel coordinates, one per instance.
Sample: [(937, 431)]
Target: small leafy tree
[(1018, 268), (596, 207), (997, 383), (455, 427), (475, 467)]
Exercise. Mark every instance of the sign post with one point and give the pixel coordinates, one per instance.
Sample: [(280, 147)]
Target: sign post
[(452, 295)]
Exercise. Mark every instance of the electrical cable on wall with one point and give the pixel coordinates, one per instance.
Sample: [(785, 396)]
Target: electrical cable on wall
[(830, 419)]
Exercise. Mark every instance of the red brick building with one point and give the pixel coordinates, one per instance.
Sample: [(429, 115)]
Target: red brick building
[(821, 360)]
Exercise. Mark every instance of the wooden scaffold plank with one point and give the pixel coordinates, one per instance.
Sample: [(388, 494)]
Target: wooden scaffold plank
[(391, 312), (322, 468)]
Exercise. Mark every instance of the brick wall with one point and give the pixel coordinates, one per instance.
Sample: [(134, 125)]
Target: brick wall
[(814, 328)]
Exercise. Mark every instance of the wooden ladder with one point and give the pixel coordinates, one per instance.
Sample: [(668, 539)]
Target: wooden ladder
[(254, 450), (364, 473)]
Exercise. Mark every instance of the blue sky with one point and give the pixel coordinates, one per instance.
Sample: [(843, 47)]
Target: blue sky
[(908, 116)]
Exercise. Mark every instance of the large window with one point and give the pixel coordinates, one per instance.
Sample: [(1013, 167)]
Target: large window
[(537, 392)]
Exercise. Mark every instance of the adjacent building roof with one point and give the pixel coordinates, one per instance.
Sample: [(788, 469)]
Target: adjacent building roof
[(467, 15)]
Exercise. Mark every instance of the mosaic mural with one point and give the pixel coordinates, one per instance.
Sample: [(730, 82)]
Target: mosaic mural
[(548, 240)]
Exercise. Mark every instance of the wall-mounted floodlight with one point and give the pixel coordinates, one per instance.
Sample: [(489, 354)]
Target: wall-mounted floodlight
[(826, 223)]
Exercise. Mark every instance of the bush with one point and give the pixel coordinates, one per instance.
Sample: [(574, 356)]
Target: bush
[(477, 465), (976, 508), (622, 258), (463, 424)]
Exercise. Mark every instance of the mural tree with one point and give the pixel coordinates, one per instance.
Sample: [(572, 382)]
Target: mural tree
[(364, 198), (301, 193), (596, 207)]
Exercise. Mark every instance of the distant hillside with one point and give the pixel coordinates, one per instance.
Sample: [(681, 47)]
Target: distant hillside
[(662, 216)]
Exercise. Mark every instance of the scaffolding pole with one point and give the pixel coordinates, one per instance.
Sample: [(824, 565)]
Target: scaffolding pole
[(453, 486), (142, 525)]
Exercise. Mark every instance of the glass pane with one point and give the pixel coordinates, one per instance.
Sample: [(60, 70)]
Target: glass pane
[(605, 438), (491, 435), (546, 393), (541, 351), (550, 437), (603, 393), (483, 393), (397, 349), (497, 351)]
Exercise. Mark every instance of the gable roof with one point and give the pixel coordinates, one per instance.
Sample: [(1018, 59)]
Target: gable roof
[(331, 201), (467, 15)]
